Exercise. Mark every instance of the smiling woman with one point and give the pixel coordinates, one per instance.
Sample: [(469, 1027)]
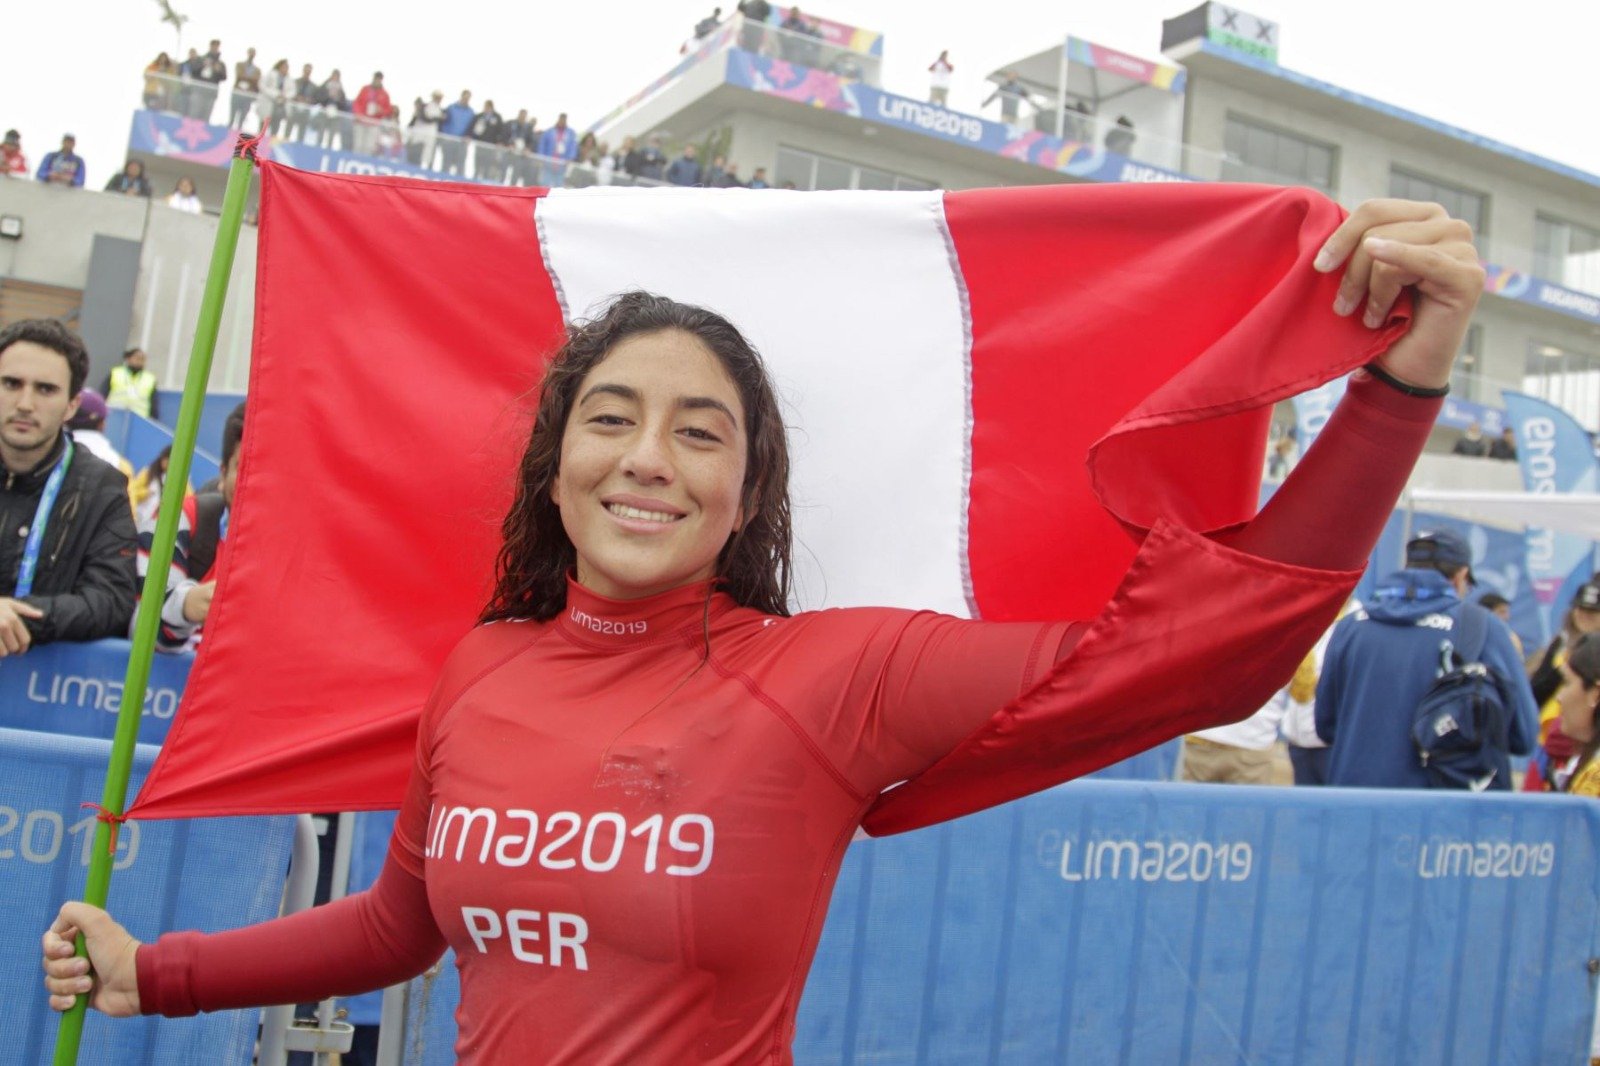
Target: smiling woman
[(634, 784), (653, 409)]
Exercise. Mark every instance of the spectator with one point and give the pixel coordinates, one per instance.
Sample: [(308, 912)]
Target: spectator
[(1281, 457), (797, 45), (63, 166), (1308, 754), (729, 178), (1544, 677), (66, 549), (272, 102), (758, 180), (201, 539), (88, 425), (1500, 607), (1243, 753), (788, 184), (1504, 446), (521, 138), (1078, 122), (753, 30), (1472, 443), (333, 113), (1119, 138), (939, 79), (706, 26), (1383, 658), (488, 154), (188, 75), (653, 161), (12, 162), (1011, 93), (630, 157), (131, 181), (145, 489), (713, 175), (209, 72), (184, 199), (684, 170), (422, 136), (131, 385), (1579, 701), (246, 84), (453, 131), (160, 83), (302, 102), (372, 107), (559, 141)]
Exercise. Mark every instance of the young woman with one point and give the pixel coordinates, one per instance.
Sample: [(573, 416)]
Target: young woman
[(1579, 697), (1547, 677), (635, 782), (184, 198)]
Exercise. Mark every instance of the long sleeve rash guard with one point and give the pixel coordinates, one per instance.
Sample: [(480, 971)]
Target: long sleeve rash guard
[(627, 820)]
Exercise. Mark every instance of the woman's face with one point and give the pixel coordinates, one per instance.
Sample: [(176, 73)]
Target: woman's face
[(1585, 621), (1577, 706), (186, 186), (652, 466)]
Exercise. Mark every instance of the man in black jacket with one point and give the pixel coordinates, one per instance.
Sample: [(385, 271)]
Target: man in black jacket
[(66, 529)]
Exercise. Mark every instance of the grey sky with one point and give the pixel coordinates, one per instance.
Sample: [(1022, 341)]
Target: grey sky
[(1522, 75)]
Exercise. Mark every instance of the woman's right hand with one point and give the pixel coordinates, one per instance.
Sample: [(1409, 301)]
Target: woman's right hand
[(113, 987)]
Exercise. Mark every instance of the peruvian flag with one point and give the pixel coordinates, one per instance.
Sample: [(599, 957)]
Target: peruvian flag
[(991, 396)]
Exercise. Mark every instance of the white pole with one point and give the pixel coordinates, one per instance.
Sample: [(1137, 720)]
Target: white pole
[(1061, 92)]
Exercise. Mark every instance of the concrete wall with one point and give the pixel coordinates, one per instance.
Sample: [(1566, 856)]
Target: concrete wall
[(59, 226)]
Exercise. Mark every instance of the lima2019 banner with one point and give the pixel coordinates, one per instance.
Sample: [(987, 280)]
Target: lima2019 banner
[(817, 88)]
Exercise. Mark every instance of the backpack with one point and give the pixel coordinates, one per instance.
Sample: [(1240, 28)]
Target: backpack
[(1460, 724)]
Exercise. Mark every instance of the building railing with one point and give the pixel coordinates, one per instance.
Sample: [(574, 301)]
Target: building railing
[(807, 50)]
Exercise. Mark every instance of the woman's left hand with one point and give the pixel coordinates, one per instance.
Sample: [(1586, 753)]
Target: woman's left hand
[(1386, 245)]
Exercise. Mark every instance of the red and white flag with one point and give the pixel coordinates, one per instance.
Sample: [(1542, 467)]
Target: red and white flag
[(990, 396)]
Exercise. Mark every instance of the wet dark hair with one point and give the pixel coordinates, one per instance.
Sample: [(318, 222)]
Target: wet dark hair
[(536, 555), (1491, 600), (1583, 658), (232, 433), (50, 333)]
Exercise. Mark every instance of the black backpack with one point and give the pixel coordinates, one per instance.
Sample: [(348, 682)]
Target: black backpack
[(1460, 723)]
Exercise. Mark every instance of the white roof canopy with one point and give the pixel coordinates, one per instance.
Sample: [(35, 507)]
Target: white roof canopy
[(1573, 512)]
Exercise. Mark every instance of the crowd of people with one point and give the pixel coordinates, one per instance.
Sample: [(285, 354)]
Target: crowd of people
[(65, 167), (459, 138)]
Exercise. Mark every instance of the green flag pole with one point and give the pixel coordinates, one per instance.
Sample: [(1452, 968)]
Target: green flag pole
[(114, 797)]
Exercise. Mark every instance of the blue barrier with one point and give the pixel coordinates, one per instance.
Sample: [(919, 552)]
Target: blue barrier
[(1109, 921), (76, 689), (207, 875), (140, 440), (1157, 764)]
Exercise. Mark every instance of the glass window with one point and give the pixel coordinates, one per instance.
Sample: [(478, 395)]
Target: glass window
[(1567, 378), (794, 166), (1260, 153), (1567, 253), (833, 174), (1470, 207), (809, 170), (1466, 380)]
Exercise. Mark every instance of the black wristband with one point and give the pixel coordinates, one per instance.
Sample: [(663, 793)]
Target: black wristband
[(1410, 390)]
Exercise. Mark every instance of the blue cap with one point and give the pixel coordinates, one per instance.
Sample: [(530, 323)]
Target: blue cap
[(1440, 547)]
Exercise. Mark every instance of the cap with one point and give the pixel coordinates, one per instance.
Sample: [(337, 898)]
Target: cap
[(1588, 596), (1440, 547), (91, 411)]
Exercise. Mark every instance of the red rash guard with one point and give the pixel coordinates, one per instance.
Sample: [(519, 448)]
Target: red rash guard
[(627, 820)]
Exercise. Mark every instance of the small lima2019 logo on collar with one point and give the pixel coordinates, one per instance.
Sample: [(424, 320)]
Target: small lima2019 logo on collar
[(608, 627)]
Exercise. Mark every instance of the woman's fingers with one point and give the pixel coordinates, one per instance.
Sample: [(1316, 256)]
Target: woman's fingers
[(1373, 213), (1371, 284)]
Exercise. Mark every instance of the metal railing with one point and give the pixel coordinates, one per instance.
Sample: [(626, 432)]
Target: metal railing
[(809, 50)]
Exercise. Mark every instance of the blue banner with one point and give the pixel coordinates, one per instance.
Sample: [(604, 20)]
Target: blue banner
[(1556, 456), (1459, 414), (67, 687), (1525, 288), (817, 88), (1313, 409)]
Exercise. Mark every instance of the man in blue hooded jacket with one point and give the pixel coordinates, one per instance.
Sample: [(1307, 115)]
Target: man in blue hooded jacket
[(1383, 658)]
